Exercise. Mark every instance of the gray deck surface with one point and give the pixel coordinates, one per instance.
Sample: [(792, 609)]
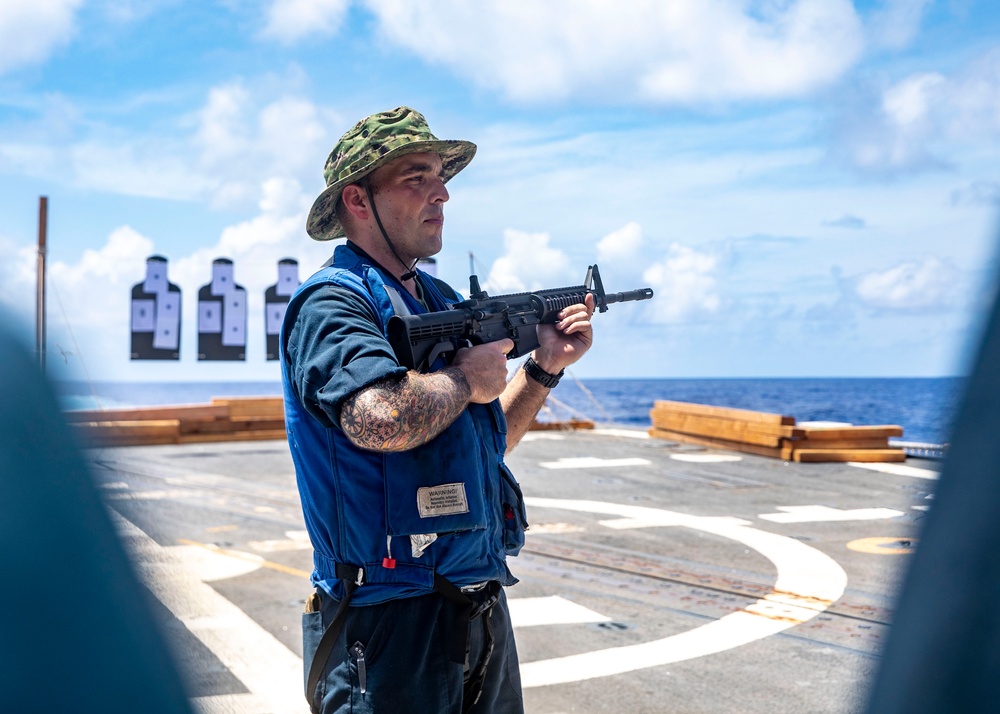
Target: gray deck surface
[(655, 578)]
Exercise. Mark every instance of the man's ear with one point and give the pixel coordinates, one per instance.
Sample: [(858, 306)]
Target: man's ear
[(355, 201)]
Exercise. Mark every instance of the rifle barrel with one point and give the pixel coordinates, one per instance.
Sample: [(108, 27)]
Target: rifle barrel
[(628, 296)]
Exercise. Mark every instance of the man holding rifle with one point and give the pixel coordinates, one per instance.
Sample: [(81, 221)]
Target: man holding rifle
[(409, 506)]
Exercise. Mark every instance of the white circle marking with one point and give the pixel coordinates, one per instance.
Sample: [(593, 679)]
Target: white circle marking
[(808, 582)]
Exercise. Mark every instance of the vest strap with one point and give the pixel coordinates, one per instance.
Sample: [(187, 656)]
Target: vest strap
[(353, 577)]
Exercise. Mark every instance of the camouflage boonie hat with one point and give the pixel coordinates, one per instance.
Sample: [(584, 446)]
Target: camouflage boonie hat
[(374, 142)]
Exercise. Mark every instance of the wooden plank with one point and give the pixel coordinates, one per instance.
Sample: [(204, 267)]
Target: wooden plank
[(252, 406), (258, 435), (773, 452), (241, 424), (735, 436), (232, 426), (216, 426), (571, 424), (854, 432), (882, 443), (97, 440), (758, 426), (724, 412), (177, 411), (730, 429), (842, 455), (127, 433), (161, 427)]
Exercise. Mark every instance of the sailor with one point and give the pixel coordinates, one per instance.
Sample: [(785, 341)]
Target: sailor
[(406, 497)]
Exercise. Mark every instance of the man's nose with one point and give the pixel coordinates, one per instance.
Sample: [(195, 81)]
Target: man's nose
[(440, 193)]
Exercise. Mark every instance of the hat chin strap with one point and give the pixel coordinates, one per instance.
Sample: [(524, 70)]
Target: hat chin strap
[(410, 269)]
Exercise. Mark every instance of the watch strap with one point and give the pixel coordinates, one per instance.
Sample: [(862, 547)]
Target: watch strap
[(549, 381)]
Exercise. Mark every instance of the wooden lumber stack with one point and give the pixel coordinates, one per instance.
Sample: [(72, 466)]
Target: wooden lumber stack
[(225, 419), (773, 435), (565, 425)]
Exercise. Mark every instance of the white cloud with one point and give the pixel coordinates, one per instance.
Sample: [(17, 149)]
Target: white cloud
[(529, 263), (978, 193), (291, 20), (88, 303), (904, 125), (31, 31), (895, 25), (17, 278), (686, 51), (125, 12), (908, 103), (926, 285), (220, 154), (243, 140), (915, 122), (621, 244), (684, 285), (137, 168)]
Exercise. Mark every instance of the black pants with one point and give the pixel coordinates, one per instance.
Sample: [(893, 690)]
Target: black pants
[(402, 648)]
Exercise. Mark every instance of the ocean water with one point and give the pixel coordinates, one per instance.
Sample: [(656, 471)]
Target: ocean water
[(925, 408)]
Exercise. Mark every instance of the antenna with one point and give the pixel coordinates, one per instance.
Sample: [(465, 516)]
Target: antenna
[(43, 228)]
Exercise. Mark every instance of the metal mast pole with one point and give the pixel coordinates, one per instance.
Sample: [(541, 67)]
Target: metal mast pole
[(43, 220)]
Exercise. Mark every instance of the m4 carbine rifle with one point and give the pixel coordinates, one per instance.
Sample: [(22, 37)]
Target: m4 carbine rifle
[(418, 340)]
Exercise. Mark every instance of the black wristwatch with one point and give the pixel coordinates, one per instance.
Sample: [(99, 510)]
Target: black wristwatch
[(540, 375)]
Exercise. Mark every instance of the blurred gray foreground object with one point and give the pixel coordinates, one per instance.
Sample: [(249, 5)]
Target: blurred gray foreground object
[(75, 630), (943, 652)]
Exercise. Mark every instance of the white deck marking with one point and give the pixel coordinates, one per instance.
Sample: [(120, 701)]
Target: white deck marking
[(627, 433), (209, 564), (296, 540), (267, 668), (666, 518), (706, 458), (817, 514), (228, 704), (154, 495), (808, 582), (554, 610), (592, 462), (554, 528), (898, 470), (542, 436)]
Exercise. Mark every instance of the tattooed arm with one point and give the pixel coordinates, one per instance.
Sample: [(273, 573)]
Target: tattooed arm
[(396, 415)]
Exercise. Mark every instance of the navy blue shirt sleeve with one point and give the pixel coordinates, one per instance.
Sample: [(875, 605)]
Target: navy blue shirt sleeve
[(336, 348)]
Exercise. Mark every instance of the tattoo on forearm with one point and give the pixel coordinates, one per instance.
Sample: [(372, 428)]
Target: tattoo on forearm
[(399, 415)]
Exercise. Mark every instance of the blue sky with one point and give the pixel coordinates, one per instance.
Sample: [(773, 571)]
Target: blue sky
[(810, 186)]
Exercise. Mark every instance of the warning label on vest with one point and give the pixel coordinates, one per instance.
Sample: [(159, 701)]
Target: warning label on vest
[(444, 500)]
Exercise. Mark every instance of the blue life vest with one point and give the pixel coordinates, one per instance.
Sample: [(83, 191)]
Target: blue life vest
[(362, 507)]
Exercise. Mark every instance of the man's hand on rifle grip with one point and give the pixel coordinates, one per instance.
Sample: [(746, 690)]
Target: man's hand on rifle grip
[(485, 369)]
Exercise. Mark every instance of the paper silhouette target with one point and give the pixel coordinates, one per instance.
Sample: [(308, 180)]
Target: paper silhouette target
[(276, 300), (156, 314), (222, 316)]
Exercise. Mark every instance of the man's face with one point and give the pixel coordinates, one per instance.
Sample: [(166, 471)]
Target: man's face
[(410, 198)]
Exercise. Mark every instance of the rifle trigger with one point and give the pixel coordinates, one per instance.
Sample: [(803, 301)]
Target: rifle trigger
[(439, 349)]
